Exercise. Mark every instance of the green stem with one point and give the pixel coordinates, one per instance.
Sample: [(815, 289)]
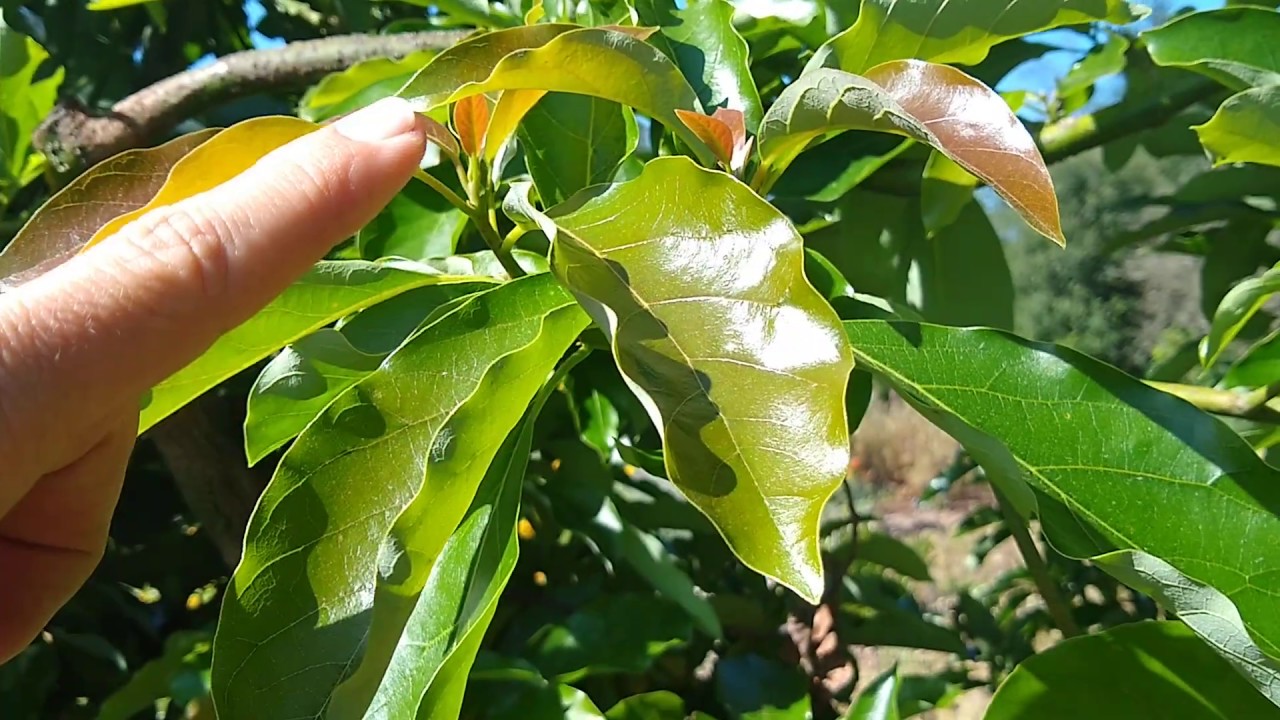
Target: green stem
[(491, 238), (483, 213), (1253, 405), (444, 190), (509, 242), (1058, 607)]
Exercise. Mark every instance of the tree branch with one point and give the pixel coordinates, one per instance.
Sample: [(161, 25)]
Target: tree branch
[(73, 138), (814, 633), (1073, 136)]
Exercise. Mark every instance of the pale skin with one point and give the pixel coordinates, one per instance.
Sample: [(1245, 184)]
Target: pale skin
[(81, 344)]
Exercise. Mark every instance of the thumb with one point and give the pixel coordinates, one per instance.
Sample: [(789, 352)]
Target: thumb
[(107, 325)]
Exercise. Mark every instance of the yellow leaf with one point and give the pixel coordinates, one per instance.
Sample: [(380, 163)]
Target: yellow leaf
[(228, 154), (115, 4), (512, 107)]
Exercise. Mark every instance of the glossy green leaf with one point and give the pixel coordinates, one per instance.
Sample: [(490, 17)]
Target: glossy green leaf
[(427, 674), (359, 85), (330, 290), (26, 102), (571, 142), (372, 491), (417, 224), (305, 377), (952, 32), (624, 69), (619, 633), (1239, 306), (1206, 611), (701, 39), (935, 104), (66, 222), (659, 705), (871, 250), (597, 420), (1137, 469), (890, 552), (1235, 46), (1148, 669), (816, 174), (879, 700), (731, 351), (1259, 367), (1245, 128)]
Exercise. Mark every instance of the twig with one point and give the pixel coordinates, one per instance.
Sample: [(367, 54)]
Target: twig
[(444, 191), (480, 207), (814, 633), (1254, 405), (73, 138), (1059, 609)]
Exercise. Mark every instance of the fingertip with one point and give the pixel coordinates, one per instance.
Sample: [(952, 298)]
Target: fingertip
[(384, 120)]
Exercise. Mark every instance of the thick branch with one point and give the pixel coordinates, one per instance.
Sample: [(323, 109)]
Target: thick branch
[(1073, 136), (74, 139), (207, 462)]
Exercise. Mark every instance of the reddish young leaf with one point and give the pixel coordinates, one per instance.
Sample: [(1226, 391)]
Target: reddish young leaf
[(935, 104), (977, 129), (711, 130), (442, 138), (737, 122), (471, 120)]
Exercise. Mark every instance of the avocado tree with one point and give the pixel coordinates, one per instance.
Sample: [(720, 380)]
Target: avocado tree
[(555, 432)]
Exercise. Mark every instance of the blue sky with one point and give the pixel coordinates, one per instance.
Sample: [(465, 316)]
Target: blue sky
[(1042, 74)]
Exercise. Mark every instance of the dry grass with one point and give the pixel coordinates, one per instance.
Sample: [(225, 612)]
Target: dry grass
[(897, 450)]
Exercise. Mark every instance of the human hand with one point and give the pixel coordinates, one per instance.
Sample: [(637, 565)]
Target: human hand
[(80, 344)]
